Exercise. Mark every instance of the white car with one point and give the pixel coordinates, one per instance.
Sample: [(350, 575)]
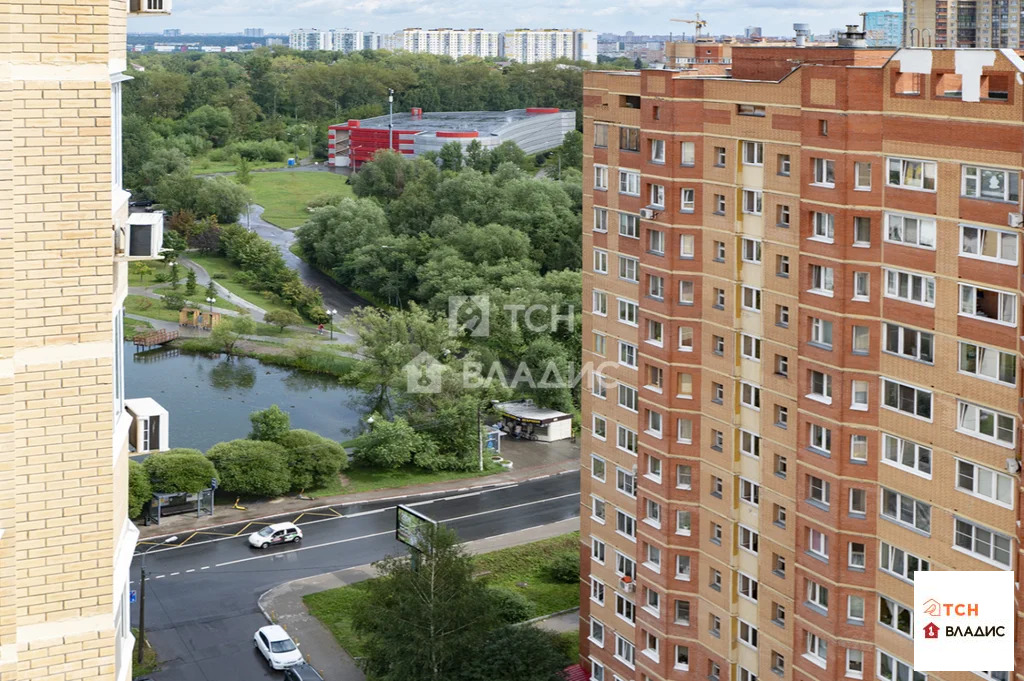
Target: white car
[(277, 647), (278, 533)]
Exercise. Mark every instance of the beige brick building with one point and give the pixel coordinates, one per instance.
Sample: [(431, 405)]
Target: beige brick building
[(65, 541), (803, 303)]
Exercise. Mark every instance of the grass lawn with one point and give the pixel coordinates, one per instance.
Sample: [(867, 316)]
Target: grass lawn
[(527, 563), (284, 195), (149, 663), (199, 297), (203, 165), (149, 307), (133, 326), (224, 271), (155, 266), (365, 480)]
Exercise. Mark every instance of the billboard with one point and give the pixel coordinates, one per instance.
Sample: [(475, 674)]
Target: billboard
[(409, 526)]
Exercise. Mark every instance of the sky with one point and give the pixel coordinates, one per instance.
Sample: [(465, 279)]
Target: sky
[(614, 16)]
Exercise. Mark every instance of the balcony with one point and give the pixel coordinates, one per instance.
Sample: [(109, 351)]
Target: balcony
[(141, 239), (146, 7)]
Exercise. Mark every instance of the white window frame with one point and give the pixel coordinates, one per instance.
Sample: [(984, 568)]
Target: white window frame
[(823, 280), (601, 177), (982, 355), (747, 539), (817, 595), (746, 633), (629, 269), (750, 347), (970, 530), (975, 175), (596, 462), (921, 512), (907, 455), (750, 298), (983, 234), (753, 153), (600, 261), (861, 286), (750, 395), (897, 279), (901, 166), (753, 201), (896, 561), (823, 227), (825, 394), (596, 632), (600, 303), (821, 332), (824, 172), (859, 186), (982, 477), (625, 652), (817, 543), (657, 151), (629, 225), (601, 220), (687, 153), (629, 183), (1007, 303), (816, 650), (976, 413), (895, 607), (910, 230), (859, 395), (746, 586), (820, 438), (901, 343), (657, 196), (751, 250), (629, 311), (894, 664), (901, 389), (597, 590)]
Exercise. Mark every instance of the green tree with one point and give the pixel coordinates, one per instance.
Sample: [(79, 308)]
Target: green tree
[(571, 150), (242, 171), (477, 157), (270, 424), (175, 274), (314, 460), (140, 270), (173, 301), (451, 156), (423, 623), (229, 330), (211, 123), (179, 470), (221, 197), (252, 468), (190, 282), (211, 289), (517, 653), (389, 444), (282, 318), (139, 489)]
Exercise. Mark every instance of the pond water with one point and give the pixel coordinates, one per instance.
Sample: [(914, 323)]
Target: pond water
[(210, 397)]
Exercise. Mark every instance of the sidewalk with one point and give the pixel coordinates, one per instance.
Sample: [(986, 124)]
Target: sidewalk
[(283, 604)]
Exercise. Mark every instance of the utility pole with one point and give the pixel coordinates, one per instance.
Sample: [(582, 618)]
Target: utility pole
[(391, 119), (142, 596)]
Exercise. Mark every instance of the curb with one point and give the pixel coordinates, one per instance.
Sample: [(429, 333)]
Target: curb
[(549, 616)]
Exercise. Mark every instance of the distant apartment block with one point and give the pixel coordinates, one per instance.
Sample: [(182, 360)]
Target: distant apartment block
[(306, 40), (971, 23), (455, 43), (253, 33), (172, 32), (884, 28), (529, 46)]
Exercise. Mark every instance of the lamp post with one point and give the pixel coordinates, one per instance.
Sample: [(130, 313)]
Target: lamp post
[(391, 119), (330, 315), (211, 301), (142, 595)]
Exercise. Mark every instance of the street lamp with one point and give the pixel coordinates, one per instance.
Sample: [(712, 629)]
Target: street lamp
[(391, 119), (211, 301), (142, 595), (330, 316)]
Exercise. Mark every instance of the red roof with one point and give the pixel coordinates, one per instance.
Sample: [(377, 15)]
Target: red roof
[(575, 673)]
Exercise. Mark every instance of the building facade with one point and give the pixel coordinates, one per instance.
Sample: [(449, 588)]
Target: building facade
[(455, 43), (304, 40), (529, 46), (884, 28), (803, 331), (970, 23), (66, 543)]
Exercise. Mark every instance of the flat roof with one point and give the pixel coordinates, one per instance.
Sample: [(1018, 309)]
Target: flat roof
[(531, 413), (483, 122)]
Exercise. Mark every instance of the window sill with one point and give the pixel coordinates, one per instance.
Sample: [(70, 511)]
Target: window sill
[(817, 556), (821, 292), (860, 244), (821, 239), (816, 661), (824, 185), (814, 607), (779, 623), (819, 398), (862, 189), (783, 225), (717, 495), (820, 452), (718, 212), (718, 307), (818, 505)]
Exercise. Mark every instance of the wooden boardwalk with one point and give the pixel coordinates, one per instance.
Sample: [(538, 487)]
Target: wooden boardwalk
[(152, 339)]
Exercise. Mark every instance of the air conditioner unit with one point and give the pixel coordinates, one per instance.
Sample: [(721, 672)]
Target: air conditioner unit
[(647, 213), (1015, 219), (142, 238), (627, 585), (1012, 466), (150, 6)]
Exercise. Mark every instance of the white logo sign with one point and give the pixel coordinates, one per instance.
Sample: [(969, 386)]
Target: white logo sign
[(962, 618)]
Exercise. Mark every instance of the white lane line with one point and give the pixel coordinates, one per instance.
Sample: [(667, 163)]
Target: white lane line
[(464, 496), (174, 574), (306, 548), (362, 513), (507, 508), (205, 567), (424, 503), (191, 570), (160, 576)]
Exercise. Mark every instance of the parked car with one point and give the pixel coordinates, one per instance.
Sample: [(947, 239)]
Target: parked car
[(302, 672), (278, 533), (277, 647)]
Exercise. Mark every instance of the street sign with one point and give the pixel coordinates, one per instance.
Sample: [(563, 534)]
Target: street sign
[(213, 484), (133, 596), (409, 527)]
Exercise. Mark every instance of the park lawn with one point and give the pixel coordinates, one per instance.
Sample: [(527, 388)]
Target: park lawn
[(152, 308), (507, 567), (224, 272), (155, 266), (284, 195), (204, 166), (133, 326), (369, 479), (198, 298)]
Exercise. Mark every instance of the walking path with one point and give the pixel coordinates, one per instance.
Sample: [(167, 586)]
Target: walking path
[(283, 604)]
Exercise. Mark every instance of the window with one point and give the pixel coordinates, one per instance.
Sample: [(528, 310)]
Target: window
[(600, 135), (654, 378), (778, 565), (626, 439), (629, 139), (782, 365), (716, 483), (628, 268), (752, 201), (778, 663), (861, 231), (916, 288), (989, 304), (988, 363), (982, 543), (597, 670), (601, 177), (658, 151), (686, 199), (684, 385), (682, 659), (720, 204), (600, 303), (824, 227), (988, 244), (911, 174), (747, 538), (824, 172), (990, 183), (720, 157), (861, 286), (685, 245), (629, 183), (907, 455), (750, 110), (655, 287), (600, 261), (686, 293), (600, 427), (898, 562), (682, 612), (686, 153), (750, 395), (650, 645), (746, 586), (985, 424), (818, 490), (597, 590), (716, 534), (750, 347), (653, 468), (598, 510), (629, 225), (658, 195), (820, 386), (783, 164), (782, 265), (895, 615), (686, 338), (624, 566), (816, 650), (597, 550), (624, 608), (822, 280), (907, 398), (684, 477), (627, 354), (821, 438), (656, 241), (751, 298), (781, 416), (778, 614), (817, 543), (782, 315), (817, 595), (823, 127), (906, 510), (683, 568), (750, 444), (750, 492), (718, 345), (747, 633), (628, 397), (753, 153), (625, 651), (910, 231), (628, 310), (861, 340), (597, 467), (821, 332), (719, 251), (597, 632), (892, 669), (859, 398), (652, 516), (625, 482), (751, 250), (909, 342), (782, 216), (717, 392), (683, 526), (859, 448), (600, 386), (857, 557), (984, 482), (861, 176)]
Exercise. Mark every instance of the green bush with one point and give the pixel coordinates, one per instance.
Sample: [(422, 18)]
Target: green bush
[(139, 489), (174, 301), (270, 424), (565, 568), (265, 150), (252, 467), (179, 470), (509, 605), (314, 460)]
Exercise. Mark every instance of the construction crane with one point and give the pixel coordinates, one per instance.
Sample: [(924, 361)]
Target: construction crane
[(698, 24)]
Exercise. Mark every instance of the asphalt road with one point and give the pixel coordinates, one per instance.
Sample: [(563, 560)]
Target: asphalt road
[(201, 597)]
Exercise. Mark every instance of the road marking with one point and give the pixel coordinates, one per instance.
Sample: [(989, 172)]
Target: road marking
[(191, 570), (464, 496), (160, 576), (306, 548), (507, 508), (373, 512), (205, 567), (422, 503), (175, 574)]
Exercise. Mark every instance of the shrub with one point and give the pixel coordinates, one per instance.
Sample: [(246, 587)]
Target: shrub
[(282, 318), (265, 150), (565, 568), (389, 444), (174, 301), (252, 467), (179, 470), (314, 460), (509, 605), (270, 424), (139, 489)]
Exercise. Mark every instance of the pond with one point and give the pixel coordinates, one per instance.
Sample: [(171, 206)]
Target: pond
[(209, 397)]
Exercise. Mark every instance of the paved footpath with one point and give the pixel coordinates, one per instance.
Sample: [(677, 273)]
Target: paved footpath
[(283, 604)]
